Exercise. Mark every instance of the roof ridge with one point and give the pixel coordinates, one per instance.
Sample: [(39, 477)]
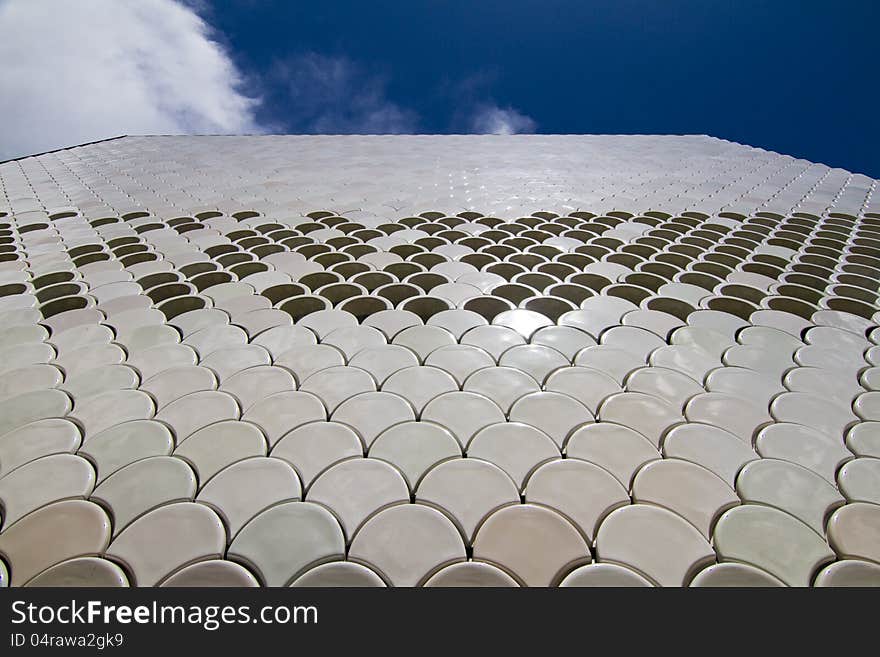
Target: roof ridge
[(58, 150)]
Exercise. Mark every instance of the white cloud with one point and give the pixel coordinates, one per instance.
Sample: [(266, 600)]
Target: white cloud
[(79, 71), (336, 95), (493, 120)]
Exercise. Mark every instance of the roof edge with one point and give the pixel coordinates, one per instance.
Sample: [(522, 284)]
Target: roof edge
[(58, 150)]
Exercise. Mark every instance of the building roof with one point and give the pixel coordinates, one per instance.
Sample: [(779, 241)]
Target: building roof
[(418, 360), (388, 175)]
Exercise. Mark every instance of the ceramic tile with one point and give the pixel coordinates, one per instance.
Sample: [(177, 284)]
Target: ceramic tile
[(706, 339), (739, 416), (29, 407), (208, 340), (535, 360), (81, 571), (616, 363), (669, 385), (468, 490), (463, 413), (515, 447), (166, 538), (828, 383), (457, 322), (769, 338), (370, 413), (470, 574), (532, 542), (176, 382), (339, 573), (144, 485), (587, 385), (43, 481), (392, 322), (459, 360), (734, 575), (617, 448), (100, 379), (773, 541), (604, 574), (150, 362), (78, 528), (849, 572), (655, 542), (280, 339), (284, 541), (791, 488), (215, 572), (636, 341), (304, 361), (581, 491), (820, 413), (19, 356), (870, 378), (867, 406), (816, 451), (691, 491), (771, 363), (422, 340), (407, 543), (853, 531), (847, 363), (859, 480), (241, 490), (125, 443), (556, 414), (30, 378), (333, 385), (228, 362), (355, 489), (864, 439), (842, 320), (565, 339), (21, 335), (280, 412), (191, 412), (524, 322), (592, 322), (503, 385), (495, 340), (35, 440), (252, 384), (414, 448), (650, 416)]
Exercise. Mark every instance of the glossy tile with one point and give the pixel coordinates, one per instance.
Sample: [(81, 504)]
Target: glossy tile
[(407, 543), (654, 541), (853, 531), (532, 542), (284, 541), (355, 489), (78, 528), (773, 541), (43, 481)]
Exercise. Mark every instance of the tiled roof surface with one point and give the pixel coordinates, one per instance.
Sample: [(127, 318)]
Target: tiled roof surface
[(438, 360)]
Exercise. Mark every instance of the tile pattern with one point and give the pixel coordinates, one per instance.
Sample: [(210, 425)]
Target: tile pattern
[(439, 361)]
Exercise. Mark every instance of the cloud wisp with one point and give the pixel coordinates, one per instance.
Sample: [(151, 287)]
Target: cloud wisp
[(81, 71), (335, 95), (75, 72), (490, 119)]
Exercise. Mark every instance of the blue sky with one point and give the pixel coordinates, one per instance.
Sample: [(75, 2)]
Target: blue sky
[(798, 77)]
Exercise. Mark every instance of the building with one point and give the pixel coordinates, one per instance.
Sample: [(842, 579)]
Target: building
[(452, 360)]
